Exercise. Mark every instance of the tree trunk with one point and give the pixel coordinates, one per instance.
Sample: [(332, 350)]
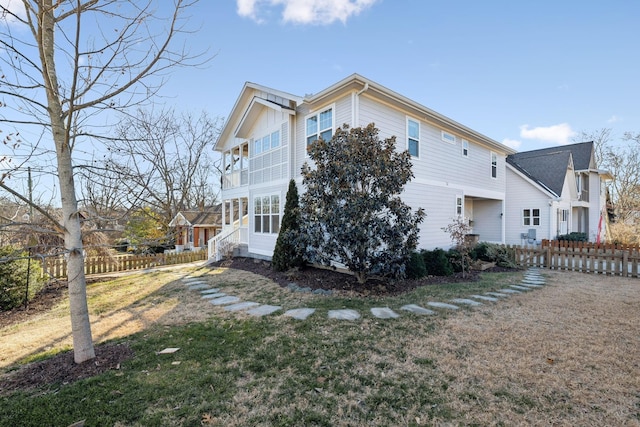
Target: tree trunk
[(80, 326)]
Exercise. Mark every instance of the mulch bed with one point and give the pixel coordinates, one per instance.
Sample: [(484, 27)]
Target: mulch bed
[(328, 279)]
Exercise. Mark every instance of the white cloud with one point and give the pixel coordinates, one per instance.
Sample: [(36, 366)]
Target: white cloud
[(614, 119), (306, 11), (8, 7), (513, 143), (560, 134)]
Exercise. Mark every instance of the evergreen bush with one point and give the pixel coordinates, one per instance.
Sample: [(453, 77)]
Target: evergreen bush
[(287, 253), (13, 277), (415, 267), (574, 236), (437, 262)]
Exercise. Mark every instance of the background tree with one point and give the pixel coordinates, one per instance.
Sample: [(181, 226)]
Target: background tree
[(165, 160), (287, 252), (67, 61), (622, 159), (146, 229), (352, 212)]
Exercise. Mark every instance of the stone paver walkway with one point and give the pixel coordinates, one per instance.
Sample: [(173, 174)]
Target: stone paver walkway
[(531, 281)]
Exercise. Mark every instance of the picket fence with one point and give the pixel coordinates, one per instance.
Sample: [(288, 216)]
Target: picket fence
[(57, 266), (608, 259)]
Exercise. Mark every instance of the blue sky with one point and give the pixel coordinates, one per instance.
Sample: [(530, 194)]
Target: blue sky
[(530, 74)]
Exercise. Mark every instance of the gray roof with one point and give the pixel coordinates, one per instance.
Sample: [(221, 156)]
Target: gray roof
[(548, 166)]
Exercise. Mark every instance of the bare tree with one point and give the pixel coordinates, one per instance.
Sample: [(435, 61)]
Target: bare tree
[(621, 158), (65, 62), (165, 159)]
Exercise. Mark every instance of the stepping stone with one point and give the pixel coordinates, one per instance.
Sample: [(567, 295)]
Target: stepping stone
[(224, 300), (497, 294), (443, 305), (384, 313), (210, 291), (263, 310), (529, 285), (216, 295), (466, 301), (533, 282), (198, 287), (344, 314), (510, 291), (416, 309), (300, 313), (200, 282), (192, 280), (520, 288), (485, 298), (241, 306)]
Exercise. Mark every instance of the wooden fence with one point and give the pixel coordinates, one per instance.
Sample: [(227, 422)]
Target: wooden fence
[(57, 266), (609, 259)]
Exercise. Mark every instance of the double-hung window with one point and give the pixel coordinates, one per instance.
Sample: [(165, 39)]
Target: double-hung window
[(494, 165), (266, 214), (459, 206), (413, 137), (531, 217), (319, 125), (465, 148)]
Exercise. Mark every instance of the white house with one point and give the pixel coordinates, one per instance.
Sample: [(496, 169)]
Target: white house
[(458, 171), (555, 191)]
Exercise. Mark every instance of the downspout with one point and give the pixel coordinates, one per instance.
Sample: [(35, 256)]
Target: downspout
[(356, 106)]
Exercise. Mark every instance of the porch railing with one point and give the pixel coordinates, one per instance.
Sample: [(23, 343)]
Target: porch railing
[(223, 243)]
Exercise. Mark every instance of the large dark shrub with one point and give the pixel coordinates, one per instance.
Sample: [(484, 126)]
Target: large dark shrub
[(437, 262), (415, 267), (13, 277)]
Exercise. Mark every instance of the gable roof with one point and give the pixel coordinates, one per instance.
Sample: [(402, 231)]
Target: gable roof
[(254, 97), (547, 168), (211, 216)]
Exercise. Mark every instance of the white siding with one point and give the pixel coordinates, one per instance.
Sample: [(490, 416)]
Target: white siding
[(521, 194), (487, 220), (262, 243)]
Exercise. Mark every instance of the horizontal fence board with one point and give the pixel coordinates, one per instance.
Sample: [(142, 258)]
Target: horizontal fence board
[(584, 257), (57, 266)]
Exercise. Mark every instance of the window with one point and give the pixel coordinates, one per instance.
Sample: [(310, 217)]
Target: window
[(266, 143), (267, 214), (459, 206), (413, 137), (448, 137), (319, 126), (531, 217), (494, 165), (465, 148)]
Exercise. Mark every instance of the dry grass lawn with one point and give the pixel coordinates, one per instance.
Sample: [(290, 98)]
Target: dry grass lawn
[(565, 354)]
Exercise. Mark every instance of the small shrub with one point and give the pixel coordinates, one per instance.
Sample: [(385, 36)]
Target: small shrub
[(437, 262), (492, 252), (13, 277), (574, 236), (415, 267)]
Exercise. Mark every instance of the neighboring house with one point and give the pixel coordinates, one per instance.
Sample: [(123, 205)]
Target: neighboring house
[(555, 191), (194, 228), (458, 171)]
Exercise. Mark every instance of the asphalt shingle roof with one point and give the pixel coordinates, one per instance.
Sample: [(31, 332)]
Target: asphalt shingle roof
[(548, 166)]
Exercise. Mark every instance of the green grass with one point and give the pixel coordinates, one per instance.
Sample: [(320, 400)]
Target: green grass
[(270, 371)]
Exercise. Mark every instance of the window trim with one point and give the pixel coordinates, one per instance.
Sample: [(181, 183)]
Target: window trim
[(448, 137), (320, 131), (465, 148), (411, 119), (460, 206), (494, 165), (270, 215), (531, 217)]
